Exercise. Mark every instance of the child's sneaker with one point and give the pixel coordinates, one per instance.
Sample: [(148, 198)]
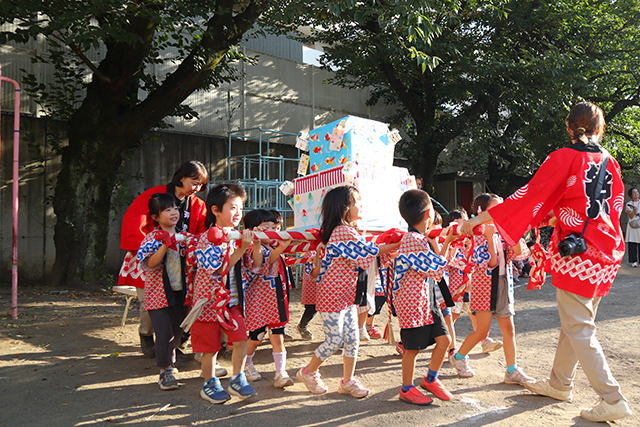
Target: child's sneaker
[(252, 373), (414, 396), (437, 388), (305, 333), (490, 345), (462, 366), (312, 381), (354, 388), (400, 348), (240, 387), (282, 380), (373, 332), (213, 392), (287, 337), (167, 380), (220, 371), (452, 353), (364, 336), (518, 377)]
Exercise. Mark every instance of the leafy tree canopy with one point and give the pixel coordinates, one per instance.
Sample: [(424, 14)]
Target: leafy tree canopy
[(497, 77)]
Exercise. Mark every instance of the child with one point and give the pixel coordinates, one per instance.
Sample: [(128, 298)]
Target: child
[(458, 284), (420, 318), (266, 302), (163, 261), (345, 250), (224, 209), (380, 297), (277, 226), (492, 293), (309, 289)]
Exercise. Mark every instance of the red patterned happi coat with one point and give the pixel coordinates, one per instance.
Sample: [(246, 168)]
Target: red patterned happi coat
[(345, 252), (565, 184), (416, 263)]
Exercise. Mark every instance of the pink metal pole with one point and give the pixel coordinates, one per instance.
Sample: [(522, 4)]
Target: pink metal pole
[(15, 204)]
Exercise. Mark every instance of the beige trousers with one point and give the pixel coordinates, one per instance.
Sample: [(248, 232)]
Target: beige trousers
[(578, 343), (146, 328)]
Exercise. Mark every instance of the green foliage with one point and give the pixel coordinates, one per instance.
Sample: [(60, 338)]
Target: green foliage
[(491, 81)]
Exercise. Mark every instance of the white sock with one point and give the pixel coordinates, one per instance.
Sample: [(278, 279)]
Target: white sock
[(280, 359)]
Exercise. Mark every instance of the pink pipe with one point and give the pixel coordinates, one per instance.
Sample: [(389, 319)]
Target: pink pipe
[(15, 201)]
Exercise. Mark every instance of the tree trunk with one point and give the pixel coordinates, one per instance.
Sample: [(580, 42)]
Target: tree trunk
[(82, 203)]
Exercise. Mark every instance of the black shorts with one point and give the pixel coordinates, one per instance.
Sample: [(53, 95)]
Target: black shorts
[(258, 334), (423, 336), (380, 300)]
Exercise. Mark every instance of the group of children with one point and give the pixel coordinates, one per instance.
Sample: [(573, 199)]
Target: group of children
[(241, 288)]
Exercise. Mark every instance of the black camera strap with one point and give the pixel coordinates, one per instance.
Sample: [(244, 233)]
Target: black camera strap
[(602, 172)]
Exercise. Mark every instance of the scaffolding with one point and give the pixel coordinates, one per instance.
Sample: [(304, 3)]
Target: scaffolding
[(261, 173)]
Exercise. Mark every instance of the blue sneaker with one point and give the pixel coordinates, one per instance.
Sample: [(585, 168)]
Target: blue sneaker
[(240, 387), (213, 391)]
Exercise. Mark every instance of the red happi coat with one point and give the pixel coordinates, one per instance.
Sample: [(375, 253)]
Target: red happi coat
[(309, 284), (265, 299), (484, 278), (564, 183), (416, 263), (455, 267), (155, 296), (345, 252), (204, 263), (137, 223)]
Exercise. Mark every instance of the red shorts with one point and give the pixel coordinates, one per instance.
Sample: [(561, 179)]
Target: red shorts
[(206, 336)]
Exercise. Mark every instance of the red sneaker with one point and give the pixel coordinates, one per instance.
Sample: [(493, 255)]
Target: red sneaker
[(437, 388), (373, 332), (400, 348), (414, 396)]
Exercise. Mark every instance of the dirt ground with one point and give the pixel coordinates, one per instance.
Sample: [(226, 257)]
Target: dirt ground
[(67, 361)]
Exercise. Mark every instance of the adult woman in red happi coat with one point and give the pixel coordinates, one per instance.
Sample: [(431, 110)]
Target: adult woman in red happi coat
[(137, 222), (587, 205)]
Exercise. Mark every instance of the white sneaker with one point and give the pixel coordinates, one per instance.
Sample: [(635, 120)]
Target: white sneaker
[(219, 371), (518, 377), (252, 373), (282, 380), (634, 265), (604, 411), (543, 388), (364, 335), (490, 345)]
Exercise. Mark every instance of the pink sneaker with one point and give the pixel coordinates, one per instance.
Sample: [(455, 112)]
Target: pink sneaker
[(400, 348), (312, 381), (462, 366), (354, 388)]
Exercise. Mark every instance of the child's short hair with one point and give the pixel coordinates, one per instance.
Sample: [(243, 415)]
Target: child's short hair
[(278, 217), (256, 217), (458, 213), (481, 202), (413, 204), (218, 196), (191, 169), (335, 207), (161, 201)]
